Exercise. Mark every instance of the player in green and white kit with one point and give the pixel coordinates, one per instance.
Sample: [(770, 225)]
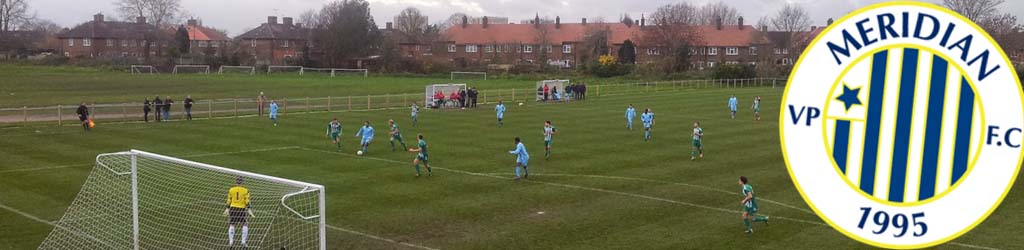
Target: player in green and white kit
[(334, 132), (396, 135), (549, 132), (750, 206), (757, 108), (415, 113), (698, 146), (421, 147)]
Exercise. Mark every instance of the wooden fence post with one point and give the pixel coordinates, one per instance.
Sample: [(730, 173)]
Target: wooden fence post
[(209, 109), (60, 117), (308, 109), (236, 107), (598, 90), (285, 106), (24, 114), (328, 103), (124, 113), (367, 102), (387, 100), (405, 99), (513, 95), (349, 103)]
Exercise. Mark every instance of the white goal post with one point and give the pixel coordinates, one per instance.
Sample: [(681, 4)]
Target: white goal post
[(240, 69), (459, 73), (140, 200), (142, 69), (335, 71), (290, 69), (193, 69)]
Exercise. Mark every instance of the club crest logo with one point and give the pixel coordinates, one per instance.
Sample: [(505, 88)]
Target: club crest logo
[(902, 125)]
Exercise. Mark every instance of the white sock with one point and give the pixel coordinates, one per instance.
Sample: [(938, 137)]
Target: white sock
[(245, 233), (231, 235)]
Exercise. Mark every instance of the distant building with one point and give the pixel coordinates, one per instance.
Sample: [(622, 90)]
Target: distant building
[(491, 19), (206, 41), (274, 43), (399, 22), (133, 41)]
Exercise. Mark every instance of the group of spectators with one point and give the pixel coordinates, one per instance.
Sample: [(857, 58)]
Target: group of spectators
[(163, 108), (464, 98), (573, 91)]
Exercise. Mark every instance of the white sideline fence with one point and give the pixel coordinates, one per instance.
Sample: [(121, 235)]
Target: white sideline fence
[(61, 115)]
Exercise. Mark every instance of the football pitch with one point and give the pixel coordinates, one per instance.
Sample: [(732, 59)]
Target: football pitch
[(602, 188)]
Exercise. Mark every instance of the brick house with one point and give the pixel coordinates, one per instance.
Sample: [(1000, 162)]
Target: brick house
[(205, 41), (785, 47), (131, 41), (274, 43)]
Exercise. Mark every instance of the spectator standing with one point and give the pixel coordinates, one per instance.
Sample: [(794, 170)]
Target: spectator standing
[(145, 110), (473, 94), (462, 98), (259, 103), (188, 107), (547, 90), (83, 116), (583, 91), (159, 104), (167, 108), (454, 98), (540, 93)]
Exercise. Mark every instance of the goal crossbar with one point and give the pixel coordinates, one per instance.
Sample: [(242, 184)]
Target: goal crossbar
[(467, 73), (250, 69), (203, 69)]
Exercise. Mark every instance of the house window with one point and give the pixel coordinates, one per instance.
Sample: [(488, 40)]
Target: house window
[(489, 48), (785, 61), (110, 42), (214, 44), (253, 43), (653, 51), (703, 50), (693, 51), (71, 42), (124, 54), (202, 44), (732, 62), (547, 48), (778, 51), (67, 54), (286, 43), (451, 48), (732, 51), (713, 51), (152, 53), (753, 51), (86, 42), (785, 51), (471, 48), (131, 43), (567, 49), (711, 64), (124, 43), (528, 48)]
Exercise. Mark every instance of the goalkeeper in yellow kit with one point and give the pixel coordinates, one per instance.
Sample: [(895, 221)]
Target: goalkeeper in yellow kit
[(238, 211)]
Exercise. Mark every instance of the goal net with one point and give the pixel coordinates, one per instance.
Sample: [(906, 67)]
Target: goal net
[(284, 69), (191, 69), (556, 90), (141, 200), (248, 70), (142, 69), (469, 75)]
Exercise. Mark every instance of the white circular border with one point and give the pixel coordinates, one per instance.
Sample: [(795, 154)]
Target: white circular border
[(827, 193)]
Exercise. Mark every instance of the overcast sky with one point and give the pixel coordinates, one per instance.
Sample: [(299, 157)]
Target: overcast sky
[(237, 16)]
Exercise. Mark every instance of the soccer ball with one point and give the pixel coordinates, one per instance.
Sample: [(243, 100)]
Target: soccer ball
[(360, 152), (520, 104)]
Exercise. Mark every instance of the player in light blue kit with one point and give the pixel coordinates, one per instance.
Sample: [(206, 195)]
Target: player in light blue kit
[(367, 133), (500, 110), (415, 113), (273, 112), (648, 119), (733, 103), (630, 114), (522, 158)]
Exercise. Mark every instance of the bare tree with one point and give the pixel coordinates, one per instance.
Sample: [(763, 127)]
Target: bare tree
[(411, 23), (156, 12), (309, 18), (12, 14), (713, 12), (791, 18), (681, 13), (453, 20), (976, 10)]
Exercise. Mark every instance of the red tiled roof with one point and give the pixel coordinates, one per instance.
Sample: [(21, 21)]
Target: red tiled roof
[(728, 36), (200, 33)]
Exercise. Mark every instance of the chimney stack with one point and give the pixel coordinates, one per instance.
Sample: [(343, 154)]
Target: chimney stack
[(764, 28), (465, 21), (558, 22), (636, 22), (98, 18), (193, 22), (485, 22), (272, 20), (718, 23), (536, 21), (643, 20), (140, 20), (388, 26), (741, 23), (287, 21), (830, 22), (584, 21), (298, 25)]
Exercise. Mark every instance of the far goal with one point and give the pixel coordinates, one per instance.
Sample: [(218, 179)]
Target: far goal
[(248, 70), (191, 69), (143, 69), (468, 75), (335, 72), (284, 69), (141, 200)]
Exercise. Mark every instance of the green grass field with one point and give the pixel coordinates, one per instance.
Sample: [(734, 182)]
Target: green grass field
[(603, 188)]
